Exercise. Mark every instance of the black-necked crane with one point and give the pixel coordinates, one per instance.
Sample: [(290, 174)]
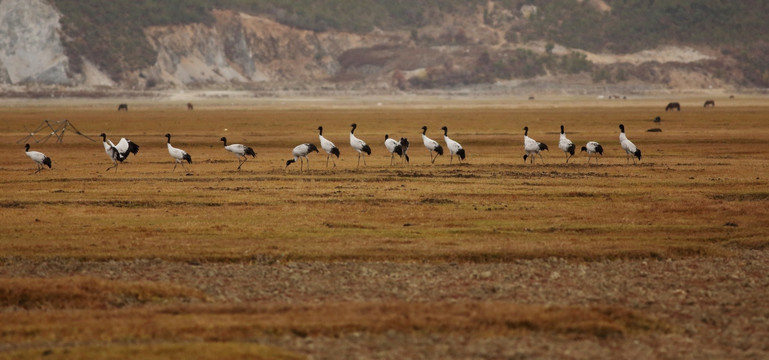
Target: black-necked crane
[(532, 147), (179, 155), (39, 158), (328, 147), (454, 147), (431, 145), (394, 147), (630, 149), (301, 151), (239, 150), (566, 145), (118, 153), (359, 145), (405, 147), (591, 148)]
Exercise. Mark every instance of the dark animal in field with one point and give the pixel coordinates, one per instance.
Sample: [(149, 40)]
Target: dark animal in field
[(189, 106), (122, 107), (673, 105), (657, 119), (709, 103)]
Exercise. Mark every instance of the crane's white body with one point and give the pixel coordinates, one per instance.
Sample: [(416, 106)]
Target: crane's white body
[(328, 147), (592, 148), (359, 145), (630, 149), (566, 145), (39, 158), (178, 155), (454, 147), (394, 147), (299, 152), (532, 147), (239, 150), (431, 145)]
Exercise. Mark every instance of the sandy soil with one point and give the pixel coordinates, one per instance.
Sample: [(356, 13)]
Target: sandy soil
[(718, 307)]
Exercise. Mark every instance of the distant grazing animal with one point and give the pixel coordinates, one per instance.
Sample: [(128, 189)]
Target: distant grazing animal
[(709, 103), (531, 97), (731, 96), (179, 155), (122, 107), (239, 150), (327, 146), (189, 107), (673, 105), (657, 119), (454, 147), (566, 145), (39, 158), (118, 153), (405, 146), (301, 151), (630, 148), (532, 147), (431, 145), (359, 145), (591, 148), (393, 147)]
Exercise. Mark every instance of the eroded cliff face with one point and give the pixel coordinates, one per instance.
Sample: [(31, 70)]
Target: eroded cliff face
[(244, 48), (31, 50), (239, 49)]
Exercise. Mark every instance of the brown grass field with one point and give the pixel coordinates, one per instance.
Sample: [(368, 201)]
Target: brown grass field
[(491, 258)]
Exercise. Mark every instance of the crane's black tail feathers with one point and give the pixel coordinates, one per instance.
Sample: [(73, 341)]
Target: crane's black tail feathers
[(543, 146), (335, 151), (132, 148), (461, 153), (398, 150), (571, 149), (47, 162), (366, 149), (250, 151), (439, 150), (638, 154), (188, 158), (599, 149)]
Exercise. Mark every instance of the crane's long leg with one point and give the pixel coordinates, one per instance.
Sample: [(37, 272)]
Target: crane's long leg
[(185, 167), (114, 166), (541, 158), (327, 157), (175, 163), (358, 160), (364, 160), (308, 163)]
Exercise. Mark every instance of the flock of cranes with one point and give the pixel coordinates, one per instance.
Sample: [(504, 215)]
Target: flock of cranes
[(532, 148)]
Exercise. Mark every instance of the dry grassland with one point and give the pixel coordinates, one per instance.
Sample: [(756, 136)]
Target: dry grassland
[(145, 261)]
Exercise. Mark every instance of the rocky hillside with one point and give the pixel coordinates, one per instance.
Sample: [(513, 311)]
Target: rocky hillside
[(373, 44)]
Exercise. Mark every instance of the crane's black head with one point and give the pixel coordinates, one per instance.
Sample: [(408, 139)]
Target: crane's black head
[(621, 128), (289, 162), (526, 131), (561, 129), (525, 157), (103, 136), (169, 137), (26, 147), (445, 131), (584, 148), (224, 139), (424, 130), (320, 128), (354, 126), (387, 136)]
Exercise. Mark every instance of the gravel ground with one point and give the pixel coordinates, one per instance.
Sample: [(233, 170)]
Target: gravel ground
[(720, 305)]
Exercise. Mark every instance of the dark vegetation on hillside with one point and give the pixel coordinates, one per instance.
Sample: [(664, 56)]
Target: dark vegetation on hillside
[(109, 32)]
